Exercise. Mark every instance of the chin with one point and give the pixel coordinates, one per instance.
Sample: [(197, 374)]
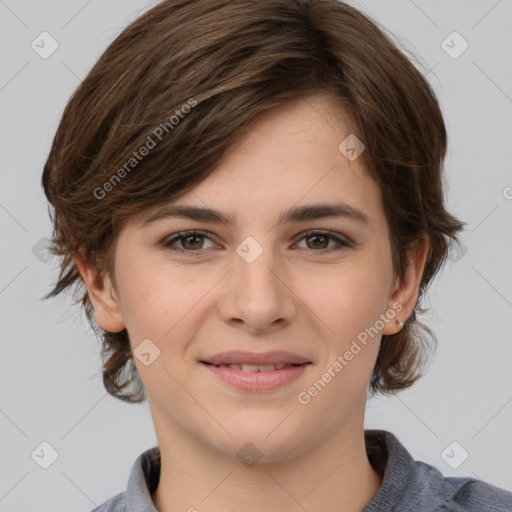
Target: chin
[(261, 443)]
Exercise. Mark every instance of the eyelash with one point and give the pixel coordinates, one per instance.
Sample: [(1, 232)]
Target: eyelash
[(179, 236)]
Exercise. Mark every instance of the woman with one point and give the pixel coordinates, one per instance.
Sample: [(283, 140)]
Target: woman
[(248, 196)]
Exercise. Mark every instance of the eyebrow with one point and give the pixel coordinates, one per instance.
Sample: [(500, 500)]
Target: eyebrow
[(291, 215)]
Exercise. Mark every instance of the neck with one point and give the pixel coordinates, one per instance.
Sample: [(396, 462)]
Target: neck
[(336, 475)]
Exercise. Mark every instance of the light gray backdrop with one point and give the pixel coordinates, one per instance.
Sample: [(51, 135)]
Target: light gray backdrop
[(50, 383)]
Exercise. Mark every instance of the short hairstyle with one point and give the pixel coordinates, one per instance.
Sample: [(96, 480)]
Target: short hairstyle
[(185, 81)]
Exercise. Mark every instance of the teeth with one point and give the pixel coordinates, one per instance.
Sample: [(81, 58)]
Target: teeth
[(267, 368), (257, 367), (250, 367)]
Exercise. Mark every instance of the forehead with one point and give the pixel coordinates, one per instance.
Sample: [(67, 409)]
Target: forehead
[(291, 155)]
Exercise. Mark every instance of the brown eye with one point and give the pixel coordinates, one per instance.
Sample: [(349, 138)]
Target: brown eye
[(318, 241), (191, 241)]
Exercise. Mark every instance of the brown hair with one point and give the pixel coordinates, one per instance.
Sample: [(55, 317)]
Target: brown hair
[(185, 80)]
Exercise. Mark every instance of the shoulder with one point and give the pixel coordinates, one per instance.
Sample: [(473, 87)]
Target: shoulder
[(414, 486), (114, 504), (472, 495), (434, 492), (143, 480)]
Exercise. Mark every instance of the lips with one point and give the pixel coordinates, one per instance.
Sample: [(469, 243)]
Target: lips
[(253, 372), (262, 361), (263, 373), (256, 367)]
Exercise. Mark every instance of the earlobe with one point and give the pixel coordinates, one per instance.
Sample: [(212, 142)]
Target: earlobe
[(102, 296), (406, 290)]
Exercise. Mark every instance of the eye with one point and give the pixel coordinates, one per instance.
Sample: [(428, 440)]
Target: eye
[(190, 241), (319, 241), (193, 241)]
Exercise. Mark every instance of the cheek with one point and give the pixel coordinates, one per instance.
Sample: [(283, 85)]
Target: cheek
[(156, 300), (350, 298), (349, 303), (349, 307)]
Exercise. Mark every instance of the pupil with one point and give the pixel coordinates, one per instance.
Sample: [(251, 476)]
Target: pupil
[(191, 237), (316, 237)]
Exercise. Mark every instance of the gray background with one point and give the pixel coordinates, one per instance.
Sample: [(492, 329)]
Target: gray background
[(50, 383)]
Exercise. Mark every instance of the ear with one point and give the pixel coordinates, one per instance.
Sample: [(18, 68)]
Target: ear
[(406, 290), (101, 294)]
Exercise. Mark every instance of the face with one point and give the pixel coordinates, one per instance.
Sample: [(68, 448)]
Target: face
[(301, 291)]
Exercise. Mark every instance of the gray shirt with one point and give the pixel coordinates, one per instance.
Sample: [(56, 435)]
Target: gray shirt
[(407, 485)]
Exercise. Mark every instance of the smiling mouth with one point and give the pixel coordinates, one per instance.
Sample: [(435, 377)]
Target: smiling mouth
[(255, 367), (256, 378)]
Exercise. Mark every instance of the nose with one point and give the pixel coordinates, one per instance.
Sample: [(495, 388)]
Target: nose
[(258, 295)]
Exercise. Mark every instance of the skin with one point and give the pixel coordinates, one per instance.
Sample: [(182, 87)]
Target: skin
[(299, 295)]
